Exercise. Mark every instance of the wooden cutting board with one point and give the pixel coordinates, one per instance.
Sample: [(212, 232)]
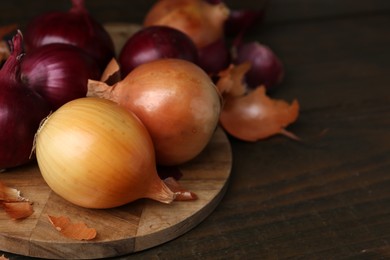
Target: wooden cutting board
[(130, 228)]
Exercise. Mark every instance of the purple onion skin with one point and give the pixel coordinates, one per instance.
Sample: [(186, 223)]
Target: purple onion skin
[(266, 69), (156, 42), (21, 111), (214, 57), (75, 27), (58, 72)]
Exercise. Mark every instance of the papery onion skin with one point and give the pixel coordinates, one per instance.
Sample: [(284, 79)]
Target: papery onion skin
[(177, 102), (256, 116), (156, 42), (203, 22), (21, 111), (58, 72), (95, 154), (76, 27)]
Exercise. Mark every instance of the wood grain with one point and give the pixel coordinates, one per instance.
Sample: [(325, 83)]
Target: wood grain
[(130, 228)]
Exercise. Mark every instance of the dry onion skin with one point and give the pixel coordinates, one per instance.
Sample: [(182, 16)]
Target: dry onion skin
[(182, 194), (231, 80), (16, 206), (255, 116), (77, 231), (96, 154), (249, 114), (18, 210)]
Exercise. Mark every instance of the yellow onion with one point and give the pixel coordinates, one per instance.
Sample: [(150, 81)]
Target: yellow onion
[(202, 21), (95, 154), (176, 101)]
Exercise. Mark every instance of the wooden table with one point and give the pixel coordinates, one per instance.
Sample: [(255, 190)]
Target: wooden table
[(327, 197)]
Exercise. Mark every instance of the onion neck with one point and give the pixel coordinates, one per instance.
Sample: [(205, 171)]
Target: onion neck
[(159, 191)]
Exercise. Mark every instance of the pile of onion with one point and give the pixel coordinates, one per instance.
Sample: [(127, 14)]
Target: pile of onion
[(175, 99), (202, 21), (76, 27), (21, 111), (209, 23), (180, 81), (96, 154)]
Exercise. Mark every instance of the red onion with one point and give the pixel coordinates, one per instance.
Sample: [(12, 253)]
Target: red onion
[(21, 111), (266, 67), (75, 27), (156, 42), (214, 57), (239, 21), (58, 72)]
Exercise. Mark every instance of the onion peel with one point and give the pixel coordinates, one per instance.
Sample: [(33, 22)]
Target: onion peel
[(18, 210), (231, 80), (16, 206), (182, 194), (77, 231), (8, 194), (256, 116)]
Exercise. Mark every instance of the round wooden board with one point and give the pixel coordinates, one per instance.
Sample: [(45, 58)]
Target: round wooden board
[(123, 230)]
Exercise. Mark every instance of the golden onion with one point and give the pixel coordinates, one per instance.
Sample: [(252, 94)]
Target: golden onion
[(176, 101), (95, 154)]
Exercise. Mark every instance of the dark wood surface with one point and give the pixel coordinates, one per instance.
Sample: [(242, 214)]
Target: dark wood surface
[(327, 197)]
